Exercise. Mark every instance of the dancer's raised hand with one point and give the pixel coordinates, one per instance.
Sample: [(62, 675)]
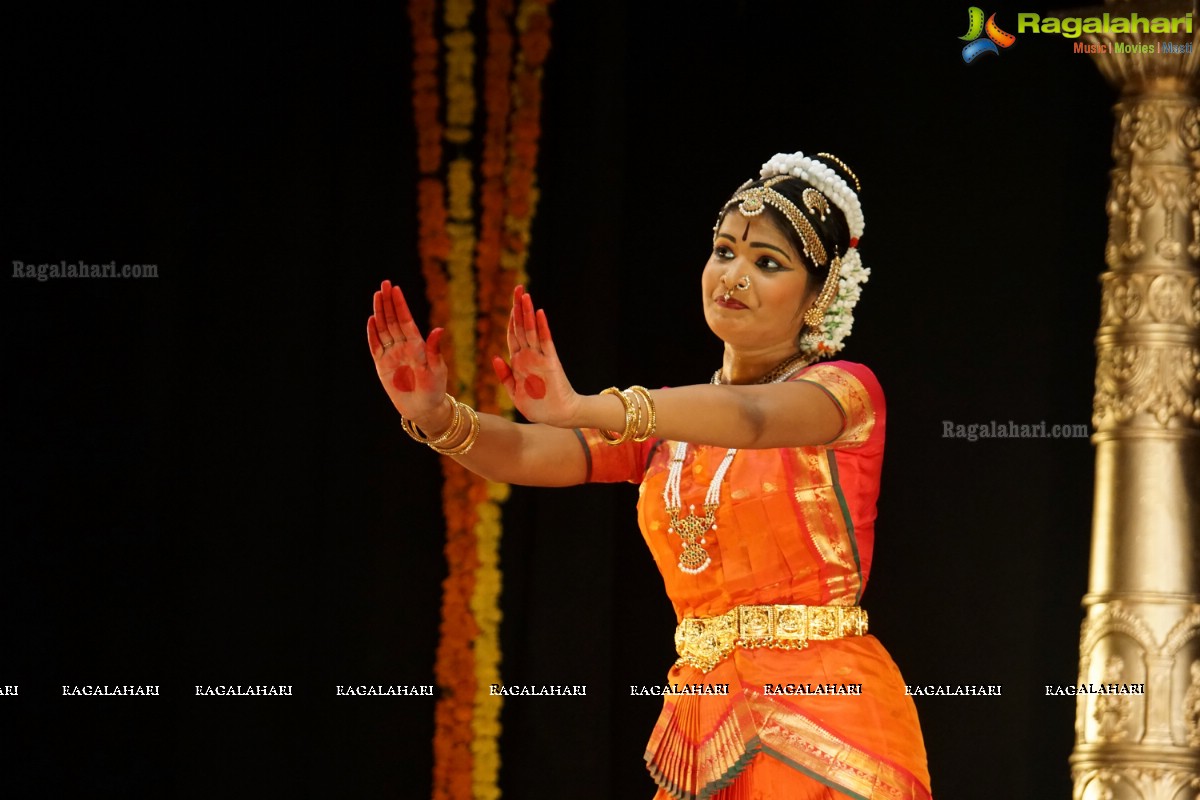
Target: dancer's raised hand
[(533, 375), (411, 369)]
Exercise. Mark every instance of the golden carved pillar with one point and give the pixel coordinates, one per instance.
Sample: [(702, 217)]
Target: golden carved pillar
[(1143, 602)]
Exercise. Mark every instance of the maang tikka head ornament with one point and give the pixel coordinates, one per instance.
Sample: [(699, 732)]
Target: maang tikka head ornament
[(829, 320)]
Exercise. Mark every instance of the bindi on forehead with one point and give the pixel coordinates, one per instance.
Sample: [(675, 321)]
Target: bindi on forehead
[(746, 233)]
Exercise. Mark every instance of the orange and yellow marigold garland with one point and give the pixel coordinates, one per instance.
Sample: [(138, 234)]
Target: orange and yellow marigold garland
[(472, 304), (454, 668), (460, 117), (533, 27), (492, 304), (494, 292)]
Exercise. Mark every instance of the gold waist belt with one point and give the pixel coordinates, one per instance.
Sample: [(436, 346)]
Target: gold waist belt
[(703, 641)]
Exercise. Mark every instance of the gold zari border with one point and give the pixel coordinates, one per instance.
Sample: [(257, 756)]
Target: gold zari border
[(799, 741), (853, 399)]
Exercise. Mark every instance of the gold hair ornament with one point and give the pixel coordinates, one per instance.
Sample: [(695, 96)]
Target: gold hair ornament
[(816, 203), (831, 317), (842, 164), (815, 315), (752, 203)]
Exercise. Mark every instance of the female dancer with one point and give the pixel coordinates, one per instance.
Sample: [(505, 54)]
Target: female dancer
[(757, 499)]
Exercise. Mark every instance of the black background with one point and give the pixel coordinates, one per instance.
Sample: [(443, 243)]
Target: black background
[(204, 483)]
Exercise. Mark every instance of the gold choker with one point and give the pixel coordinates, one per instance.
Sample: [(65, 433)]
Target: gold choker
[(778, 374)]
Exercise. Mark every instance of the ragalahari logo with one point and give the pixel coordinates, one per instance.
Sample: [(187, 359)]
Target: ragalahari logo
[(976, 27)]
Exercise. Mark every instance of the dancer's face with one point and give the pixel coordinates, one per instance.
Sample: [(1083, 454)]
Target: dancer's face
[(770, 311)]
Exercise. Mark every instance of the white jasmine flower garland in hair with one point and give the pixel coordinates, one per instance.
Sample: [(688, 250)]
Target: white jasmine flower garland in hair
[(823, 178), (839, 317)]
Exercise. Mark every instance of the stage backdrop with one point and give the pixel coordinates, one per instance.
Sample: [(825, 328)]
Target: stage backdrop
[(205, 485)]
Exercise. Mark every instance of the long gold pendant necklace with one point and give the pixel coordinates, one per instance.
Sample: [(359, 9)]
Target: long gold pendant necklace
[(692, 529)]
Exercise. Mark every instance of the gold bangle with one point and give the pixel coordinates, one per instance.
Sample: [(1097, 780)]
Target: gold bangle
[(611, 437), (636, 402), (652, 417), (411, 429), (465, 447)]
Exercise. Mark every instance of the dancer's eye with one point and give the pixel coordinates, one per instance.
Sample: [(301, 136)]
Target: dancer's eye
[(768, 264)]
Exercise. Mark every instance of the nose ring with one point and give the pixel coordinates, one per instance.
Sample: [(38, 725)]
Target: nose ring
[(742, 285)]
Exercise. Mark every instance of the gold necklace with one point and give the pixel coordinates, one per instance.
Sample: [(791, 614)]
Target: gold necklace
[(693, 529), (779, 373)]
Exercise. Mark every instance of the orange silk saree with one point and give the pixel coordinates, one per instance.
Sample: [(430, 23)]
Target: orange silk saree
[(795, 526)]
